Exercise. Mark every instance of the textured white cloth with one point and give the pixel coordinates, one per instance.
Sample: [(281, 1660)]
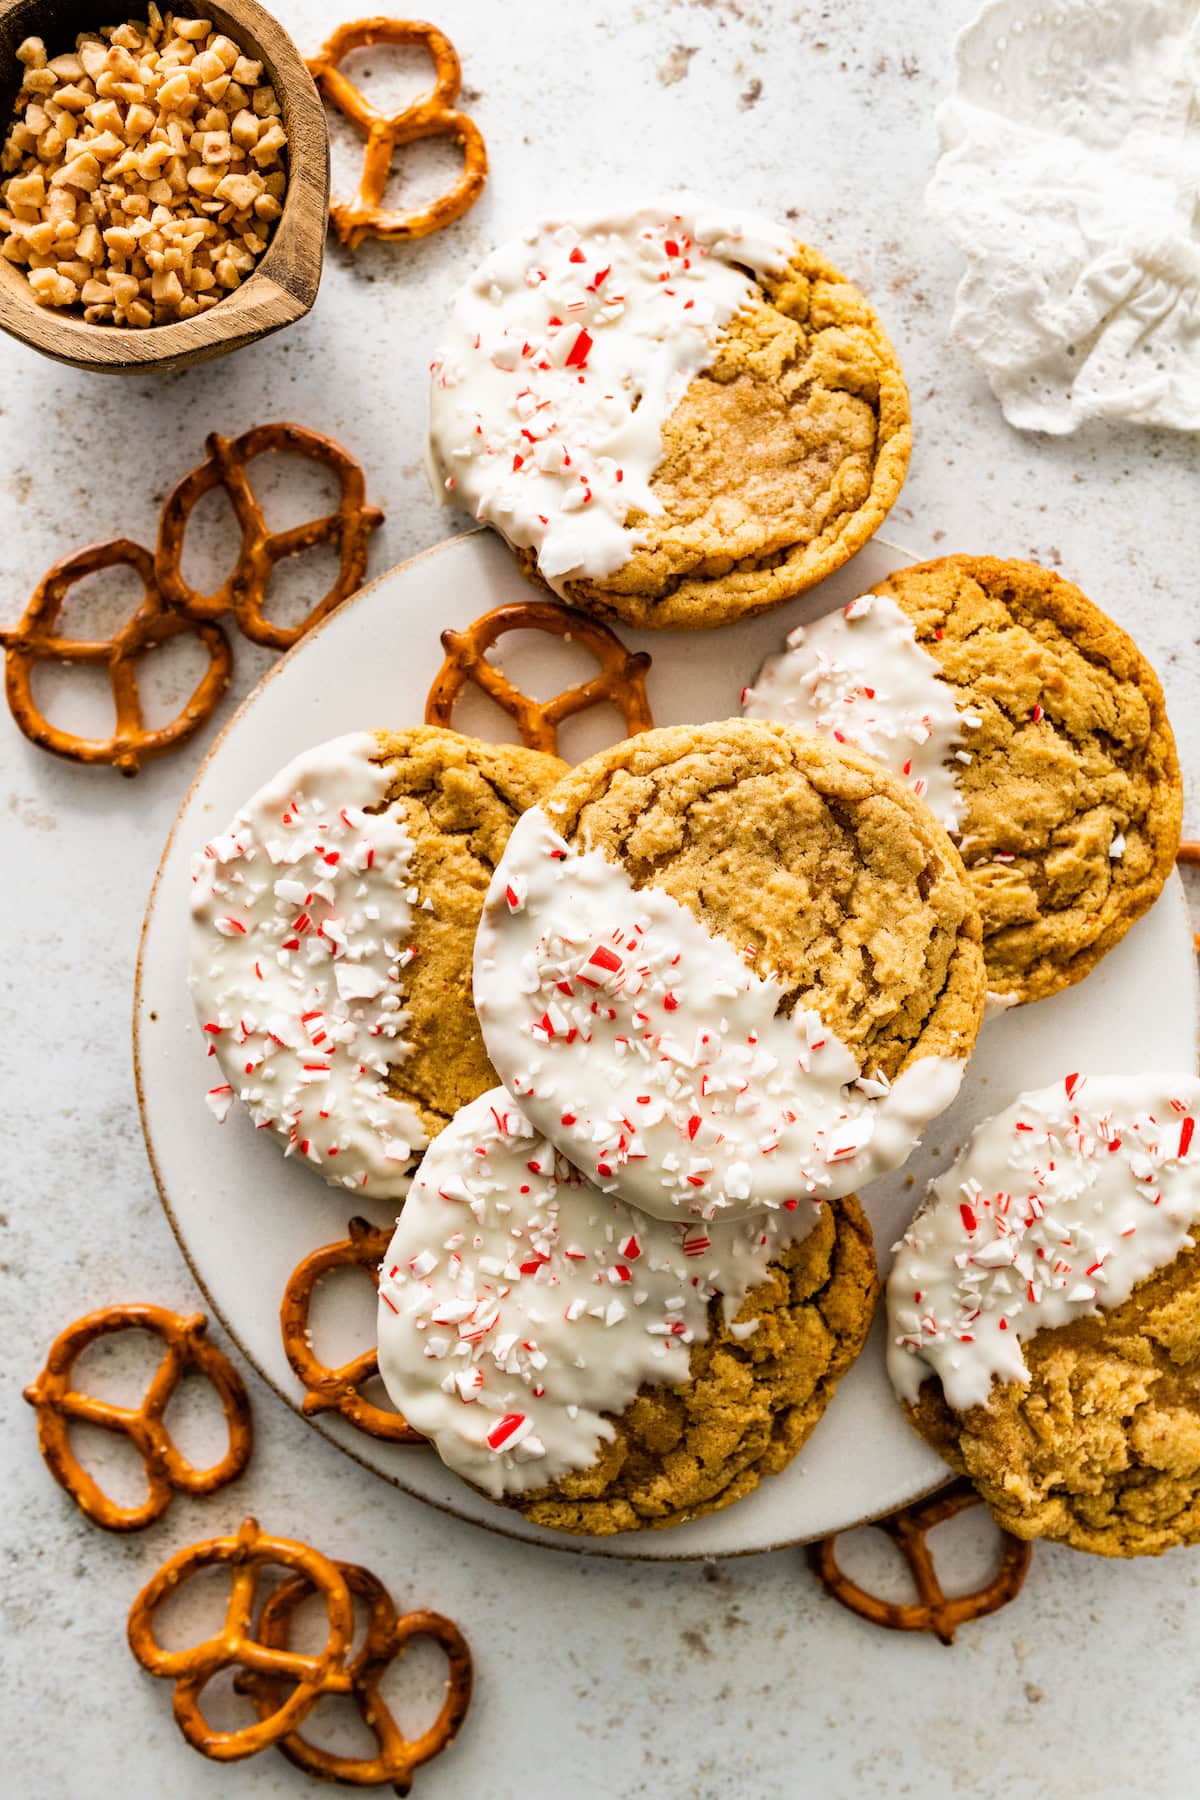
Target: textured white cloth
[(1069, 178)]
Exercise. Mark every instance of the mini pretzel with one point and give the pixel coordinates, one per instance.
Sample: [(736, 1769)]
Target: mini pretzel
[(621, 681), (35, 640), (934, 1611), (167, 1470), (236, 1647), (388, 1635), (243, 592), (338, 1390), (429, 115)]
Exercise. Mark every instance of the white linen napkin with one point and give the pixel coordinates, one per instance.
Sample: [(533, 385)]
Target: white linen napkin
[(1070, 180)]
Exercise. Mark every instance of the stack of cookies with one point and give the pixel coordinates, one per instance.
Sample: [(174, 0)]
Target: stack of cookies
[(629, 1038)]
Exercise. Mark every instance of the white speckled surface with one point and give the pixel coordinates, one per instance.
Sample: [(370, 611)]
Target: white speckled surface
[(592, 1679)]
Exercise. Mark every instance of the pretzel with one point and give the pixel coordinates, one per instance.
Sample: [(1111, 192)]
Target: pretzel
[(244, 590), (235, 1646), (934, 1611), (388, 1635), (429, 115), (621, 681), (338, 1390), (167, 1470), (170, 606), (35, 640)]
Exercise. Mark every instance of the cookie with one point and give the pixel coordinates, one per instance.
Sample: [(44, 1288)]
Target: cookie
[(332, 932), (1034, 727), (1044, 1314), (729, 967), (596, 1369), (677, 416)]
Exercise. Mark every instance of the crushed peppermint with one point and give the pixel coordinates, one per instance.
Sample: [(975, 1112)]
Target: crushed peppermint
[(858, 675), (658, 1062), (565, 355), (301, 913), (1055, 1210), (519, 1314)]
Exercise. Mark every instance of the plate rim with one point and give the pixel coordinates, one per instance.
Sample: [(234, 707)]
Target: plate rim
[(566, 1544)]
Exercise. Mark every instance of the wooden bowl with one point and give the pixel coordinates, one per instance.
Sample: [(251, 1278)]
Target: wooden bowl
[(283, 285)]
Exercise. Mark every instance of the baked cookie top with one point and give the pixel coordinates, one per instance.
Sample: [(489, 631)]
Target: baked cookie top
[(524, 1317), (728, 967), (332, 931), (1031, 724), (1044, 1313), (678, 415)]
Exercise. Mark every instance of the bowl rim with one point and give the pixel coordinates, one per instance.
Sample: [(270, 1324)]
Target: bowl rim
[(282, 286)]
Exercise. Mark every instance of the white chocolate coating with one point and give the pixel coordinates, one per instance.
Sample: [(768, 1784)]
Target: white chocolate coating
[(518, 1305), (1055, 1210), (301, 915), (654, 1059), (565, 354), (859, 675)]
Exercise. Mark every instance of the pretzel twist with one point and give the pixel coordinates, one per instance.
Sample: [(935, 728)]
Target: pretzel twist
[(235, 1646), (339, 1389), (432, 114), (621, 681), (243, 592), (170, 606), (35, 640), (167, 1470), (934, 1611), (388, 1635)]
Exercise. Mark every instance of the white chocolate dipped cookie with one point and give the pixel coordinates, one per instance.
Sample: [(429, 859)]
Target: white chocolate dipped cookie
[(596, 1368), (1030, 724), (1044, 1313), (729, 968), (332, 927), (677, 414)]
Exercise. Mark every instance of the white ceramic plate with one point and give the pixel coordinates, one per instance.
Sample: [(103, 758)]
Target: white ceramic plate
[(244, 1217)]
